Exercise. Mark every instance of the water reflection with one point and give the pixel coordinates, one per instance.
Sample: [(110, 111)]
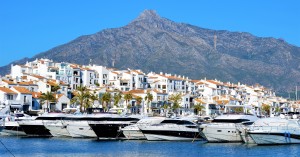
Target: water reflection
[(91, 147)]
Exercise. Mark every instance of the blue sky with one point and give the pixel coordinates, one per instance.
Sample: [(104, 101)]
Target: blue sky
[(33, 26)]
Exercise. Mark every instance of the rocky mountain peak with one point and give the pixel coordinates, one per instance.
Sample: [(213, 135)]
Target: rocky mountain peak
[(154, 43), (148, 14)]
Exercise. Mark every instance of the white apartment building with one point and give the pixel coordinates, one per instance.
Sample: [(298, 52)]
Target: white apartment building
[(17, 98), (139, 79), (126, 80), (88, 77), (101, 74), (30, 85), (167, 83)]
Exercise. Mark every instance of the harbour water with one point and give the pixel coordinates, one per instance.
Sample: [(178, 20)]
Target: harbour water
[(24, 146)]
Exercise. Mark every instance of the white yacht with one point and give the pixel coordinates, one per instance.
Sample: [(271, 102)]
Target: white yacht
[(229, 126), (275, 130), (133, 132), (36, 127), (182, 129), (11, 125), (55, 125), (110, 128), (78, 126)]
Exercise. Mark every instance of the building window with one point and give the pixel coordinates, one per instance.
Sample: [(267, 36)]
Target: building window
[(64, 105), (10, 97)]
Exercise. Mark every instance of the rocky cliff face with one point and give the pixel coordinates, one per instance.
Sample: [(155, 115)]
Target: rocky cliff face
[(153, 43)]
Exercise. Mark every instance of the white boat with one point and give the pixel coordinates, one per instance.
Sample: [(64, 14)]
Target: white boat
[(184, 129), (133, 132), (275, 130), (55, 125), (36, 127), (11, 125), (229, 126), (78, 126), (110, 128)]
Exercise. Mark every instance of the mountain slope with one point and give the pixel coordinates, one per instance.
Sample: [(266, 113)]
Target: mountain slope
[(153, 43)]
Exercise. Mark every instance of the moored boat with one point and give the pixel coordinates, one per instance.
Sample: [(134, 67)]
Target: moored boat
[(111, 127), (37, 128), (183, 129), (78, 125), (275, 130), (229, 126), (133, 132), (11, 125)]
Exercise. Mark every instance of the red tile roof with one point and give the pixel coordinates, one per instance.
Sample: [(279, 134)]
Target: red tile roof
[(8, 82), (22, 90), (36, 94), (7, 90), (214, 82), (37, 76), (137, 91), (138, 72)]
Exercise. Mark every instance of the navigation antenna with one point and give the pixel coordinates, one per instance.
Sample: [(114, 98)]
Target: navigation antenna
[(113, 60), (91, 60), (215, 41)]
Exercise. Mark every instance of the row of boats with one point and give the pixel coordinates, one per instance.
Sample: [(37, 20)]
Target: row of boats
[(102, 126), (230, 127)]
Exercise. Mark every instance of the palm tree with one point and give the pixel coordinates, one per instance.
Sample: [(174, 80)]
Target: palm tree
[(117, 99), (48, 97), (138, 101), (55, 88), (88, 102), (198, 107), (175, 98), (166, 108), (148, 98), (81, 96), (277, 109), (106, 97), (127, 98), (93, 98), (266, 108)]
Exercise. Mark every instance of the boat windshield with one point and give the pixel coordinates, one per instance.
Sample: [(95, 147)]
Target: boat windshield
[(170, 121), (185, 122), (179, 122), (229, 120)]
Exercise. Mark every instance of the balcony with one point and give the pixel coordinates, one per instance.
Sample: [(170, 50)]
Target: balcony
[(9, 102)]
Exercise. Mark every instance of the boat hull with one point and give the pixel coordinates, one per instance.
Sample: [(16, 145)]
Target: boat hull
[(57, 129), (12, 128), (170, 132), (275, 138), (134, 134), (79, 129), (221, 133), (36, 130), (171, 136), (108, 131)]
